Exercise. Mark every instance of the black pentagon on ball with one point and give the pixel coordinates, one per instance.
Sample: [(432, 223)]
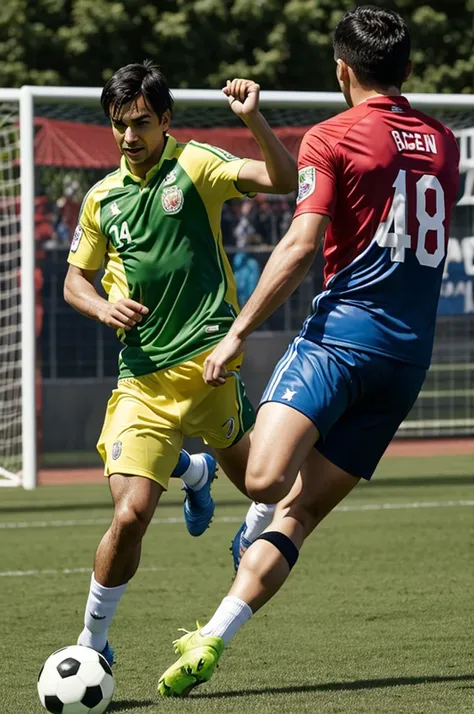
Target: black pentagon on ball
[(53, 705), (105, 665), (92, 697), (68, 667)]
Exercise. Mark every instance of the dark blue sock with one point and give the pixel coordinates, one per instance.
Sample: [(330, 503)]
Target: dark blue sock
[(182, 465)]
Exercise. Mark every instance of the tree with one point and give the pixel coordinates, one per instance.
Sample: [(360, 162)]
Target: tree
[(284, 44)]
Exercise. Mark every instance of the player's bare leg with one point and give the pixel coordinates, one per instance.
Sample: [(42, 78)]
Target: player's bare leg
[(318, 488), (234, 462), (118, 555), (283, 437), (297, 436)]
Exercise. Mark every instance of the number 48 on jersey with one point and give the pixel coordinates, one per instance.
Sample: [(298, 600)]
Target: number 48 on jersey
[(392, 233)]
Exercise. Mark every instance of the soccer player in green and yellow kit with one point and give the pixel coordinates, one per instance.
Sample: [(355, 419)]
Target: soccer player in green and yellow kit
[(155, 225)]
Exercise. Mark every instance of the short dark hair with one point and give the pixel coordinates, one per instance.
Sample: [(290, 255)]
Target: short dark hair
[(132, 80), (375, 43)]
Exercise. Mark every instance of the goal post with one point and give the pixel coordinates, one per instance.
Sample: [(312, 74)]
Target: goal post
[(432, 416), (27, 253)]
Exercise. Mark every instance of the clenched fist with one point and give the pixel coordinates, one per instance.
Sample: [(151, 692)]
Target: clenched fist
[(243, 96), (123, 314)]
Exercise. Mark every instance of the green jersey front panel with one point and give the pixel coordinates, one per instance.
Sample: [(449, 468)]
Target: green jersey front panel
[(161, 243)]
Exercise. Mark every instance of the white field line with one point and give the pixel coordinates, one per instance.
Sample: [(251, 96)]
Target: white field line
[(15, 525), (221, 519), (65, 571)]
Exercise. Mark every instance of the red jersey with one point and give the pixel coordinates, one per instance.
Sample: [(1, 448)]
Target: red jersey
[(388, 177)]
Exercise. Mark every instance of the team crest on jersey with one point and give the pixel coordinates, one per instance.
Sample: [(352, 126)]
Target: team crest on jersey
[(116, 450), (172, 199), (76, 239), (169, 178), (306, 182), (229, 426)]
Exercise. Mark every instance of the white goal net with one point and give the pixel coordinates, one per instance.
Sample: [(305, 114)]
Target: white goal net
[(10, 303), (57, 368)]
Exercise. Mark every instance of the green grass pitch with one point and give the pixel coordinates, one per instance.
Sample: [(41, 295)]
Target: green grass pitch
[(375, 619)]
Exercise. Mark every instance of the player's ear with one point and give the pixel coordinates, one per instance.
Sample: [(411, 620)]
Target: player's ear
[(166, 120), (408, 70), (342, 72)]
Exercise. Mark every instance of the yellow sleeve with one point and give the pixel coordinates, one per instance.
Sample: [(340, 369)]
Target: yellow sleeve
[(221, 171), (89, 244)]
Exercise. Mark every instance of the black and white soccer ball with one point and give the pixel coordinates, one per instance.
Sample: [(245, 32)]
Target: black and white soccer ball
[(76, 680)]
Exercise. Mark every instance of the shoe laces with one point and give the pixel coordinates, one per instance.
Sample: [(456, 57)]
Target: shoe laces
[(186, 632)]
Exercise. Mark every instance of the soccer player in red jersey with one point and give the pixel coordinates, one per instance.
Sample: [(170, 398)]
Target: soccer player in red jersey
[(379, 181)]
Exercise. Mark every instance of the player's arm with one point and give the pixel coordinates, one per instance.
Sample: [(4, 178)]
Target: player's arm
[(293, 256), (278, 172), (283, 273), (80, 293), (88, 249)]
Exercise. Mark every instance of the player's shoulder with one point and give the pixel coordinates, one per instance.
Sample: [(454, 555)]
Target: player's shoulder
[(435, 125), (332, 130), (201, 151), (100, 189)]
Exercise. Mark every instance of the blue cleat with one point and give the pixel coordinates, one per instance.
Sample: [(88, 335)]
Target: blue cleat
[(108, 654), (239, 545), (199, 505)]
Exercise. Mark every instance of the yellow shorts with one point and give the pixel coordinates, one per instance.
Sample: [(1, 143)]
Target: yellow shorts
[(147, 418)]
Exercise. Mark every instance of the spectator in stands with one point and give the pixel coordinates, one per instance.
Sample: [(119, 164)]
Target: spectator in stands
[(266, 220), (246, 270), (245, 227)]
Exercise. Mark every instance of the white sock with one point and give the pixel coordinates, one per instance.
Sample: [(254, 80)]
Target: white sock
[(196, 474), (258, 517), (229, 617), (100, 609)]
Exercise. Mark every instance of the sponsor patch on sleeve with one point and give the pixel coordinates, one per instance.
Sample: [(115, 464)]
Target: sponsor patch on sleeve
[(76, 239), (306, 182), (226, 155)]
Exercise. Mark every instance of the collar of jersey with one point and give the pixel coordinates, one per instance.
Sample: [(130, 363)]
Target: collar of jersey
[(168, 153), (387, 100)]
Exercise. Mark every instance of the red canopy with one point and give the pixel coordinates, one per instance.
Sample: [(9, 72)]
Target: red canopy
[(78, 145)]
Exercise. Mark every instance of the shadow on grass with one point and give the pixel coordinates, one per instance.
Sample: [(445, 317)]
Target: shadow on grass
[(122, 705), (340, 686)]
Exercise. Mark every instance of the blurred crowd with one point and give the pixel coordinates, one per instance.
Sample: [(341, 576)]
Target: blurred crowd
[(251, 228)]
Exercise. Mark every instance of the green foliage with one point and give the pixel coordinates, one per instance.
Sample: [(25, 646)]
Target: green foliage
[(283, 44)]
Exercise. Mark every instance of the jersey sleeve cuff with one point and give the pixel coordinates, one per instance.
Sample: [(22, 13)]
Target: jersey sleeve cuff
[(83, 264), (321, 210), (239, 193)]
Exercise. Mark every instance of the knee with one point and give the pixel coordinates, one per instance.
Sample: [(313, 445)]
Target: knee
[(267, 488), (308, 516), (130, 523)]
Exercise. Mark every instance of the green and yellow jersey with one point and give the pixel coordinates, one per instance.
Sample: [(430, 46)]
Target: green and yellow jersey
[(161, 243)]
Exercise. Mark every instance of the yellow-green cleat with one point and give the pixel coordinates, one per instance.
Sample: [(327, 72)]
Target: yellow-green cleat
[(199, 657)]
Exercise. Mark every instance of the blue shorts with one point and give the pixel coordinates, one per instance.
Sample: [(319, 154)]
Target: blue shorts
[(357, 400)]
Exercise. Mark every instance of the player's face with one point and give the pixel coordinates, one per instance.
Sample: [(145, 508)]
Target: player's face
[(140, 135), (343, 77)]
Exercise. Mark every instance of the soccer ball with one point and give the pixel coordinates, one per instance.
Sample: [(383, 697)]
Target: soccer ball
[(76, 680)]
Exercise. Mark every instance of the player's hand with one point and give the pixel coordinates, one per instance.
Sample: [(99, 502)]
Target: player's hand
[(243, 96), (123, 314), (215, 372)]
